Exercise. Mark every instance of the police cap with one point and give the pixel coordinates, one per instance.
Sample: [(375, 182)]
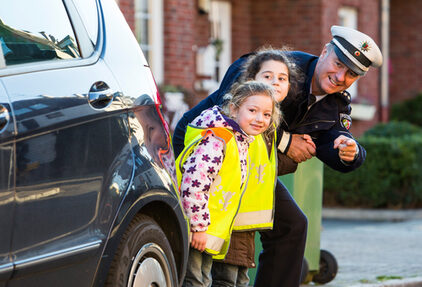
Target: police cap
[(355, 49)]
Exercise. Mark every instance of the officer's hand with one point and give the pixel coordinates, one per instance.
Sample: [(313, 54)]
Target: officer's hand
[(301, 148), (347, 148), (199, 240)]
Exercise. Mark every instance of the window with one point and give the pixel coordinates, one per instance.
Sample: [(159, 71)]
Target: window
[(36, 33), (348, 17), (149, 33), (214, 60), (89, 14)]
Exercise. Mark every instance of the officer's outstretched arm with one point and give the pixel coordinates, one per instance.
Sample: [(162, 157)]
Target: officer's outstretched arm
[(328, 150)]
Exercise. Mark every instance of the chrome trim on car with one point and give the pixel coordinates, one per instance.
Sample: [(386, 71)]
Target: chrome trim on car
[(85, 45), (5, 271), (57, 255)]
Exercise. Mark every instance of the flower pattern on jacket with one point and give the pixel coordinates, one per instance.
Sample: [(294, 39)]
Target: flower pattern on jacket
[(203, 164)]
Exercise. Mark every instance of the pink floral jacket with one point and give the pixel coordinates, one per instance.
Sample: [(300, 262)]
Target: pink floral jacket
[(204, 163)]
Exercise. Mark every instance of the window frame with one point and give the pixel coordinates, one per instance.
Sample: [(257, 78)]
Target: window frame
[(350, 15), (155, 45)]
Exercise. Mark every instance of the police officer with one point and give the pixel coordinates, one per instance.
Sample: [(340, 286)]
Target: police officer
[(320, 109)]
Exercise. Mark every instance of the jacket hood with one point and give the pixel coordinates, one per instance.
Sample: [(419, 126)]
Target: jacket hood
[(213, 118)]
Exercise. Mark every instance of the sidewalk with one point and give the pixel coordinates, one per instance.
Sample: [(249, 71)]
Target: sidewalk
[(372, 247), (371, 214)]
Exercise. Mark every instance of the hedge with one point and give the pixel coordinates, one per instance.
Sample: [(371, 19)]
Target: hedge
[(409, 111), (391, 176)]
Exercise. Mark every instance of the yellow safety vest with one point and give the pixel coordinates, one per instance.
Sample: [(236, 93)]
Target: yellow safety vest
[(226, 191), (257, 209)]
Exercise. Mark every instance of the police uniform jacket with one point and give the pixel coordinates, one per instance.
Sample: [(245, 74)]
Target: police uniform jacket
[(324, 120)]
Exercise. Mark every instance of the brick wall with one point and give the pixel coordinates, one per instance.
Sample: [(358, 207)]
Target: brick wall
[(128, 9), (285, 22), (405, 49), (241, 28), (179, 40), (202, 29)]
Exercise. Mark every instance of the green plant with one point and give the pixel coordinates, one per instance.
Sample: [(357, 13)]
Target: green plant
[(394, 129), (408, 110), (390, 176), (388, 277), (218, 44)]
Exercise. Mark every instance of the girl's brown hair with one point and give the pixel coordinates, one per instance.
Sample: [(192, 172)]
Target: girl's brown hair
[(255, 61)]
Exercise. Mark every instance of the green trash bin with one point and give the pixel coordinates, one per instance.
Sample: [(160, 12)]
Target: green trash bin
[(305, 185)]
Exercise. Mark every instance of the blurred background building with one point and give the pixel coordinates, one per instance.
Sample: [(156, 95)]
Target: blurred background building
[(191, 43)]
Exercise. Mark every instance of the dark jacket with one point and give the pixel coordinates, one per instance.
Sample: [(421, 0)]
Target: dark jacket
[(242, 249), (323, 120)]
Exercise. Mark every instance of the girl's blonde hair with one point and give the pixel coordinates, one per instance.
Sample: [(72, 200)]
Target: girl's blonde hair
[(240, 92)]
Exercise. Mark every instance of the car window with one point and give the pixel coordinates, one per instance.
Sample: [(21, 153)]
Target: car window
[(39, 32), (88, 11)]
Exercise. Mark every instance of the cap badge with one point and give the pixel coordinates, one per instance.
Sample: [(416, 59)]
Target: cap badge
[(365, 46)]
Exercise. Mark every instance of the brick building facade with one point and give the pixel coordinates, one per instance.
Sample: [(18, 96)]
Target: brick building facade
[(189, 27), (405, 49)]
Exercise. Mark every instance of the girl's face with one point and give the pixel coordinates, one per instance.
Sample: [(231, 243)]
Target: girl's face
[(276, 74), (254, 114)]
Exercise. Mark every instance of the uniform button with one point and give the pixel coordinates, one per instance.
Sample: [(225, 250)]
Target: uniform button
[(253, 264), (316, 126)]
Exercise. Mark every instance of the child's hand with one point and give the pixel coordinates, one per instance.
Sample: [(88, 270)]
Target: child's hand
[(309, 140), (199, 240)]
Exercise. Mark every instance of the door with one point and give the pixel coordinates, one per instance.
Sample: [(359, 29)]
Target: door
[(71, 132), (6, 184)]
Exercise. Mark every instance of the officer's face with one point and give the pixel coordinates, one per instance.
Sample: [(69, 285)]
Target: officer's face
[(331, 75)]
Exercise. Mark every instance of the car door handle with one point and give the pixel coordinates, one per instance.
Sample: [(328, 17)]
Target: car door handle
[(4, 118), (100, 95)]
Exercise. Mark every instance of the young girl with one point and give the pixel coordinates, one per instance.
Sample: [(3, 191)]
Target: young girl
[(213, 170), (256, 212)]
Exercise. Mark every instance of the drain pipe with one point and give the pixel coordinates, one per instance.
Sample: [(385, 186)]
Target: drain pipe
[(385, 42)]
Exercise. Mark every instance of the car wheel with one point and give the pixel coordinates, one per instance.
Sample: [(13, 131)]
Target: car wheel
[(144, 257)]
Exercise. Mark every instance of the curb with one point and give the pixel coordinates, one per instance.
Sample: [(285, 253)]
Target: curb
[(408, 282), (371, 214)]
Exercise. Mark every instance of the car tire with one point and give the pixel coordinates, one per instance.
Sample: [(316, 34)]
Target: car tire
[(144, 257)]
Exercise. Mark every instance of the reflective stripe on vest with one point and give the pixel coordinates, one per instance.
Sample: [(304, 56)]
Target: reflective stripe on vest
[(257, 209), (225, 193)]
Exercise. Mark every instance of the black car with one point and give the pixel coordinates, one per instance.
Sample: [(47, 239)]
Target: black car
[(88, 195)]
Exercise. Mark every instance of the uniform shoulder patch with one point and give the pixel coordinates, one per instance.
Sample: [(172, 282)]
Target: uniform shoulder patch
[(345, 96), (345, 121)]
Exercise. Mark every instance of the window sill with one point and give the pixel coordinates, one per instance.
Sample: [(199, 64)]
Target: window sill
[(363, 112)]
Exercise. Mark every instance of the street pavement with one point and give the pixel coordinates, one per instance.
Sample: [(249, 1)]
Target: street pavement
[(384, 250)]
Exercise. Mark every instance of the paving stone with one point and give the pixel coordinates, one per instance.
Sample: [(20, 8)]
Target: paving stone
[(366, 250)]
